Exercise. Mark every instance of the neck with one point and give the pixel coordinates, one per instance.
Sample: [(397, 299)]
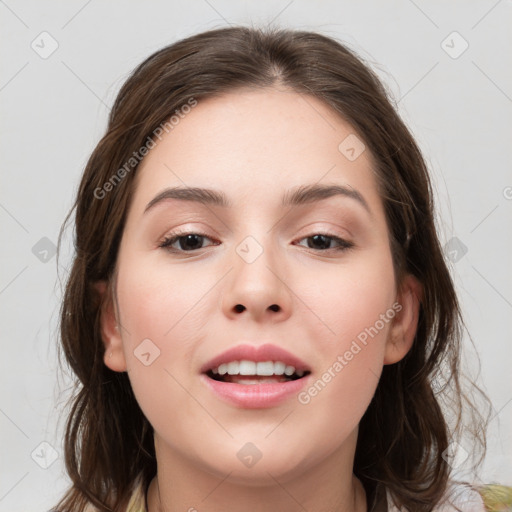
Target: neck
[(181, 484)]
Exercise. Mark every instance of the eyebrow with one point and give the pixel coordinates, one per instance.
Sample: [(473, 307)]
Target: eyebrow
[(304, 194)]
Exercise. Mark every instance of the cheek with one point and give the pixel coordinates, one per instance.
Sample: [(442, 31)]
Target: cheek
[(351, 364), (161, 303), (152, 345), (356, 306), (350, 301), (164, 313)]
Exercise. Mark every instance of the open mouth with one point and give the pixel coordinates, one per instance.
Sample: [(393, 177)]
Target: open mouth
[(256, 379), (251, 384)]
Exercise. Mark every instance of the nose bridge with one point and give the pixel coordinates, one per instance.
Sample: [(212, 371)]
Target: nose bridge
[(257, 282)]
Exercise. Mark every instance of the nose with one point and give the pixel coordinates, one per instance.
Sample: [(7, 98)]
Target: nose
[(258, 285)]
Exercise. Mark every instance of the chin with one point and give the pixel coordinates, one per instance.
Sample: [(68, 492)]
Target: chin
[(280, 466)]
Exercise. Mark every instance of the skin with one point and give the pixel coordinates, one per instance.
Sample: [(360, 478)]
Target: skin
[(254, 145)]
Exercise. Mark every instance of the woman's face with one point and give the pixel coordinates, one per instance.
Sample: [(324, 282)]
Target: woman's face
[(256, 275)]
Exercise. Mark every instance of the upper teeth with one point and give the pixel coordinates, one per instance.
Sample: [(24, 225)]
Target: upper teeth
[(252, 368)]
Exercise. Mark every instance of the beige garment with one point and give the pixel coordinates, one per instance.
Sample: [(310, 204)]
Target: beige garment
[(459, 497)]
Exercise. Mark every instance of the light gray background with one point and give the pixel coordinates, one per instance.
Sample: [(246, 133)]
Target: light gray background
[(54, 110)]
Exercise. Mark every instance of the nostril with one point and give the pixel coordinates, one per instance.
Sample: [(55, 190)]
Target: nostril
[(239, 308)]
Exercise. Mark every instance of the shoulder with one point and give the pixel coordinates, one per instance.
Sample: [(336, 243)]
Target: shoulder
[(138, 499), (459, 497), (496, 497), (463, 497)]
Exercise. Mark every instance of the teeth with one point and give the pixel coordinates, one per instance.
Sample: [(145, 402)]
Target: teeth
[(232, 367), (266, 368), (244, 368), (279, 368)]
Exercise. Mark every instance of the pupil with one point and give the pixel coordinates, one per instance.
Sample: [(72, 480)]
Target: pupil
[(190, 238), (326, 240)]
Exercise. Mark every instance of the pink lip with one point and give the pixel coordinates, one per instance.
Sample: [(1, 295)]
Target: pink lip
[(256, 396), (259, 353)]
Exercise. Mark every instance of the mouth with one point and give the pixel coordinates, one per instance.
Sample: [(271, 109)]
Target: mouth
[(256, 376)]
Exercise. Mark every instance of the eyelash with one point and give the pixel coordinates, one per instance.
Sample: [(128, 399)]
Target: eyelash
[(168, 241)]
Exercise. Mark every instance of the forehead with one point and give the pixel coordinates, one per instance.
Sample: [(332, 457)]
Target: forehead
[(254, 144)]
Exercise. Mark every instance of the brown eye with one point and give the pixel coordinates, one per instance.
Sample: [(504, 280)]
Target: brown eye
[(185, 242), (322, 242)]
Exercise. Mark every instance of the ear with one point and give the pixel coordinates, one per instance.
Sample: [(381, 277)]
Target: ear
[(110, 329), (405, 323)]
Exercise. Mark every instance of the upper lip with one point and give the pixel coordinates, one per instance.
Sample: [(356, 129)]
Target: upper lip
[(260, 353)]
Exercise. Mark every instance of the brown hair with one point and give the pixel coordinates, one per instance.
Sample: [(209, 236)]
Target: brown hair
[(403, 433)]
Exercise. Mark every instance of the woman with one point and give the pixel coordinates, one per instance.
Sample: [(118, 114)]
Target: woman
[(303, 354)]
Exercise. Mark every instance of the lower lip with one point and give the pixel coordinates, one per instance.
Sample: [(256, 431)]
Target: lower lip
[(255, 396)]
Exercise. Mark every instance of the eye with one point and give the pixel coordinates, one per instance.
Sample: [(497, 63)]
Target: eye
[(322, 242), (187, 242), (192, 241)]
